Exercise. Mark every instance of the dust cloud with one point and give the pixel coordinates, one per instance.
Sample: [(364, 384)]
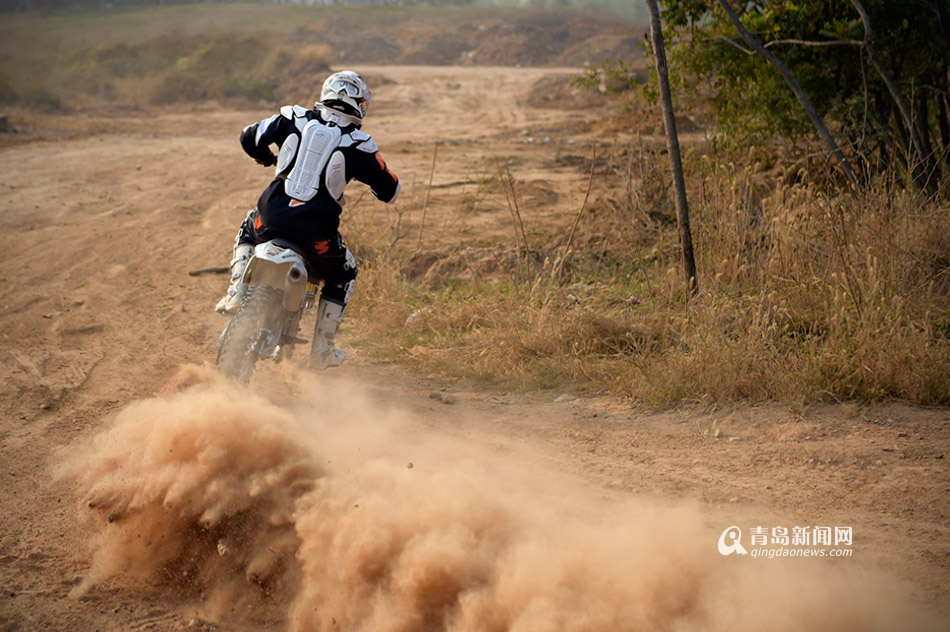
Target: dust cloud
[(309, 517)]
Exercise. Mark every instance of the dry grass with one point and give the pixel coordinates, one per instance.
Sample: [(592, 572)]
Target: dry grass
[(805, 297), (124, 58)]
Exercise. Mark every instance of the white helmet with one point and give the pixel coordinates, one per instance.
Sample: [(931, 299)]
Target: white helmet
[(346, 93)]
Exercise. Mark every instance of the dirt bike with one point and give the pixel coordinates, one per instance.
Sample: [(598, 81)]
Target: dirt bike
[(266, 325)]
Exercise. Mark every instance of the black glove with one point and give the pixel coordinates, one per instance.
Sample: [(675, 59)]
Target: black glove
[(269, 161)]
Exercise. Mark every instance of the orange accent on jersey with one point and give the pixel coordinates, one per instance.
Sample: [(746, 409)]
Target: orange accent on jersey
[(322, 247), (382, 163), (257, 222), (296, 203)]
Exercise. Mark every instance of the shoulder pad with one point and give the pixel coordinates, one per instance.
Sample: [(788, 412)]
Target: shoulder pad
[(292, 111), (363, 141)]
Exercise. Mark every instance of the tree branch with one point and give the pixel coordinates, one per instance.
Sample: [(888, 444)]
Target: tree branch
[(797, 89), (733, 43), (892, 86), (864, 124), (810, 43)]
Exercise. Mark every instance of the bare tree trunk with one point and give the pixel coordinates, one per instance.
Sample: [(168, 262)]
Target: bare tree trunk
[(943, 116), (672, 144), (797, 89), (884, 155), (922, 155), (902, 140), (944, 123), (923, 122)]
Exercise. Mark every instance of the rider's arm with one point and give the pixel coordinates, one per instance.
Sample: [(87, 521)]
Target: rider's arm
[(370, 169), (257, 138)]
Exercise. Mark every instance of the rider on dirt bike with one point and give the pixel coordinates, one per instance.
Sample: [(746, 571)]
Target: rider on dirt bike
[(321, 149)]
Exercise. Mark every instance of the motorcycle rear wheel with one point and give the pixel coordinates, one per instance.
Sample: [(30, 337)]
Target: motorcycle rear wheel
[(244, 336)]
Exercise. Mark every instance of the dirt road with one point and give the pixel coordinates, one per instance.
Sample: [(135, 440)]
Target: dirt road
[(519, 511)]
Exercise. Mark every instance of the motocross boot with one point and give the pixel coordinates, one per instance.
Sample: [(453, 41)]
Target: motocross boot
[(323, 354), (232, 300)]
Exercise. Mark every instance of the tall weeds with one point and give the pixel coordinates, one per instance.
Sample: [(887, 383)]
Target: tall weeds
[(806, 297)]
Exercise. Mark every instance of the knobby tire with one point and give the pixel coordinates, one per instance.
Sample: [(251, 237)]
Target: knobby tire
[(240, 343)]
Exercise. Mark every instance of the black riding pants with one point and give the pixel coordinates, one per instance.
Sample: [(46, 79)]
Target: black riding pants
[(327, 255)]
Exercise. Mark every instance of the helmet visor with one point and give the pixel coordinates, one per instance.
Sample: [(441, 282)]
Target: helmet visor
[(347, 90)]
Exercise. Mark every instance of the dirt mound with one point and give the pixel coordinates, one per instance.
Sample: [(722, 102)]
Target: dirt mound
[(531, 39), (600, 48), (515, 44), (372, 49), (438, 51), (560, 91)]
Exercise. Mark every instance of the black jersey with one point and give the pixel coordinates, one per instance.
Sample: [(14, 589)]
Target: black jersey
[(318, 217)]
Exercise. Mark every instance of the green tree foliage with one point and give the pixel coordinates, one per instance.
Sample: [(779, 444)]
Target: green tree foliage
[(820, 41)]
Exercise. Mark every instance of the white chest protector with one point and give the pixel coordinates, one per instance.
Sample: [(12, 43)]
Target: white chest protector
[(317, 150), (316, 146)]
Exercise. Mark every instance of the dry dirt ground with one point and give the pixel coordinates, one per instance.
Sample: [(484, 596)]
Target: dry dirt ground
[(106, 212)]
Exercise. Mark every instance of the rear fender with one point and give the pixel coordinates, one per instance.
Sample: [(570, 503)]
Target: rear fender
[(280, 268)]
